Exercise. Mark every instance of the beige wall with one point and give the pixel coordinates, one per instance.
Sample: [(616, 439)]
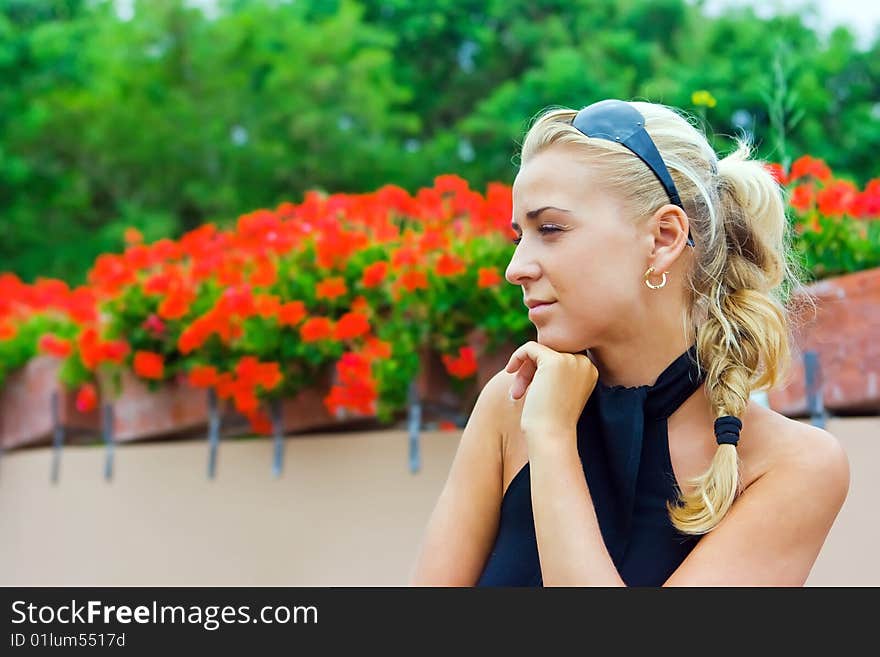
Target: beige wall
[(345, 512)]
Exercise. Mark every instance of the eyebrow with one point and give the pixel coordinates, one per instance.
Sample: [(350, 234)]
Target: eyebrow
[(531, 215)]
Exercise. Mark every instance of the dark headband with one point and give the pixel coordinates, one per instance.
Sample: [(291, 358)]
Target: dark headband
[(618, 121)]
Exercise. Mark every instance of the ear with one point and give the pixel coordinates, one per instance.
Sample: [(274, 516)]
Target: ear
[(669, 227)]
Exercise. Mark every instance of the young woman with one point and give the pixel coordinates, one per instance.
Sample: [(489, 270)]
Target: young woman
[(621, 447)]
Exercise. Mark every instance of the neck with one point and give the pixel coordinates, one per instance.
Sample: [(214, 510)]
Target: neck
[(634, 364)]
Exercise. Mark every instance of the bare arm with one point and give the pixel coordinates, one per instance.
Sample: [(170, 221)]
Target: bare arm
[(463, 525), (570, 545)]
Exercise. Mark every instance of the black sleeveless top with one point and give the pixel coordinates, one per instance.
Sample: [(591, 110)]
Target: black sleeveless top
[(624, 449)]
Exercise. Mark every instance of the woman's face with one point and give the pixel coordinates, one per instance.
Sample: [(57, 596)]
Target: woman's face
[(578, 250)]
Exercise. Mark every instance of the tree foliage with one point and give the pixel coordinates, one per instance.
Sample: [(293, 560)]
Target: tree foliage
[(177, 115)]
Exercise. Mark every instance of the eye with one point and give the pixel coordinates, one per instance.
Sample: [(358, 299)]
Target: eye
[(545, 229)]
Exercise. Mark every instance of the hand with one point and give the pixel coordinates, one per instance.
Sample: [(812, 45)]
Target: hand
[(555, 385)]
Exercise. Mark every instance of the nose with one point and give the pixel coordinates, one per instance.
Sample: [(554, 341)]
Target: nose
[(521, 268)]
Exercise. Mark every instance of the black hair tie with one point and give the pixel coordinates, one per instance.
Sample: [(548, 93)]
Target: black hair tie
[(727, 430)]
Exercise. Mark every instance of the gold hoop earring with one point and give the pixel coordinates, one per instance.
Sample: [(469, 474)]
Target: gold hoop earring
[(648, 283)]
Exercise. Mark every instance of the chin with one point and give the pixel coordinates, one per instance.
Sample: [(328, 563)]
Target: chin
[(561, 343)]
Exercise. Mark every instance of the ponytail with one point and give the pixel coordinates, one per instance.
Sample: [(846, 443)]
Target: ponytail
[(744, 342)]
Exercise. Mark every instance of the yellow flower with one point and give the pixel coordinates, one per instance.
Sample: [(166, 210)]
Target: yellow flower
[(703, 97)]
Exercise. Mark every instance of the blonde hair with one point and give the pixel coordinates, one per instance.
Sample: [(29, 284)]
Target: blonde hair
[(744, 273)]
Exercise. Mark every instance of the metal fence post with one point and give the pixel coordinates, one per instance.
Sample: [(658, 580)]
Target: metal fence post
[(414, 424), (278, 431), (213, 432), (57, 436), (108, 440), (815, 404)]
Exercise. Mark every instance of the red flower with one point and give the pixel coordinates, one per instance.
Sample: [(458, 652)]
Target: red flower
[(291, 313), (81, 305), (332, 244), (430, 205), (133, 236), (331, 288), (396, 199), (164, 250), (264, 273), (316, 328), (433, 239), (270, 376), (405, 255), (7, 331), (469, 204), (351, 325), (203, 376), (376, 348), (449, 183), (809, 166), (53, 345), (237, 300), (160, 283), (802, 197), (88, 344), (836, 198), (115, 351), (462, 367), (446, 425), (358, 396), (252, 372), (260, 422), (86, 398), (111, 273), (867, 203), (225, 385), (488, 277), (245, 400), (499, 206), (267, 305), (414, 280), (353, 368), (374, 274), (176, 304), (449, 265), (194, 336), (229, 272), (149, 365)]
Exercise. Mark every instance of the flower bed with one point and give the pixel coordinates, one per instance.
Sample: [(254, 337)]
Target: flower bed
[(837, 232), (363, 284), (836, 225), (379, 290)]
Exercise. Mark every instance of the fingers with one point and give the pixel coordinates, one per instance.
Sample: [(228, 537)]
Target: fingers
[(521, 362), (514, 362), (520, 355), (523, 378)]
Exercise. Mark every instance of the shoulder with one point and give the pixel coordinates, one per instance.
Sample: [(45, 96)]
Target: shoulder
[(818, 456), (497, 392), (776, 527), (806, 457)]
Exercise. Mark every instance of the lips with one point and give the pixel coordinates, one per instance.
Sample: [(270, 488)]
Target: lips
[(533, 303), (541, 310)]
